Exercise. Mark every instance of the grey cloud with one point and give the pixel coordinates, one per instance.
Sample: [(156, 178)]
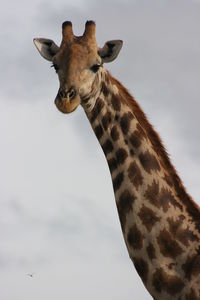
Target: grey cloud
[(63, 223)]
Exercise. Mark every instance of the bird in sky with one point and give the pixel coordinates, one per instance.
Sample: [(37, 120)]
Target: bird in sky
[(30, 275)]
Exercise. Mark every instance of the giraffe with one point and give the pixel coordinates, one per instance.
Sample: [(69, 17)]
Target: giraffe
[(160, 222)]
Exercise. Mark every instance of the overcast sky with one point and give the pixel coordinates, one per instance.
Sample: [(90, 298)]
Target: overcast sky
[(58, 218)]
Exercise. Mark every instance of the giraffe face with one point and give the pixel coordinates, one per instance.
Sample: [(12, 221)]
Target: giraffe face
[(77, 62), (77, 66)]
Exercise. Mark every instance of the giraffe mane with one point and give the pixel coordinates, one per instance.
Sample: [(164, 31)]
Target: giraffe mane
[(191, 207)]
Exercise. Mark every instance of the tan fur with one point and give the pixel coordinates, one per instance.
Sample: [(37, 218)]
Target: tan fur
[(160, 221)]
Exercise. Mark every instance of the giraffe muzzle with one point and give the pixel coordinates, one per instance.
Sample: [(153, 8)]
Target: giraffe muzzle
[(67, 101)]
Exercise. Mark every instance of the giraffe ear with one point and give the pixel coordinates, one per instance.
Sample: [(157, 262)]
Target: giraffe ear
[(110, 50), (46, 47)]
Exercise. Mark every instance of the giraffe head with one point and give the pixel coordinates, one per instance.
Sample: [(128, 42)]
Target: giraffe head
[(77, 62)]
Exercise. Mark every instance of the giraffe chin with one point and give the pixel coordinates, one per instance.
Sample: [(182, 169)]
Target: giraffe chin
[(65, 105)]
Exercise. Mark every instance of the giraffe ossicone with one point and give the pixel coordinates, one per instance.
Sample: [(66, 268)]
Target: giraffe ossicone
[(159, 220)]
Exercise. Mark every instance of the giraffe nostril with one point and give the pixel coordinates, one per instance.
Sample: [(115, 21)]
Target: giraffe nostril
[(72, 93), (62, 93)]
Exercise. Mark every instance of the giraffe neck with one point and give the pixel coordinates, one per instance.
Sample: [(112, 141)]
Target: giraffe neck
[(161, 229)]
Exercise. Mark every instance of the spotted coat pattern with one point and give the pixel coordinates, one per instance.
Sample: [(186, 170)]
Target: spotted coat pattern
[(159, 220)]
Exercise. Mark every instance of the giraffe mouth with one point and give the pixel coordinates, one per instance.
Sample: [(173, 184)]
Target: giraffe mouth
[(65, 105)]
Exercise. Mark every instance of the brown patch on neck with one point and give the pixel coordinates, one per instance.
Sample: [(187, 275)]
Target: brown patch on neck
[(168, 245), (142, 268), (170, 283), (183, 235), (192, 265), (148, 217), (191, 207)]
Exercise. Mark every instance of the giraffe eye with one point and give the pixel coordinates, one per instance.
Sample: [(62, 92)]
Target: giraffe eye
[(55, 66), (95, 68)]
